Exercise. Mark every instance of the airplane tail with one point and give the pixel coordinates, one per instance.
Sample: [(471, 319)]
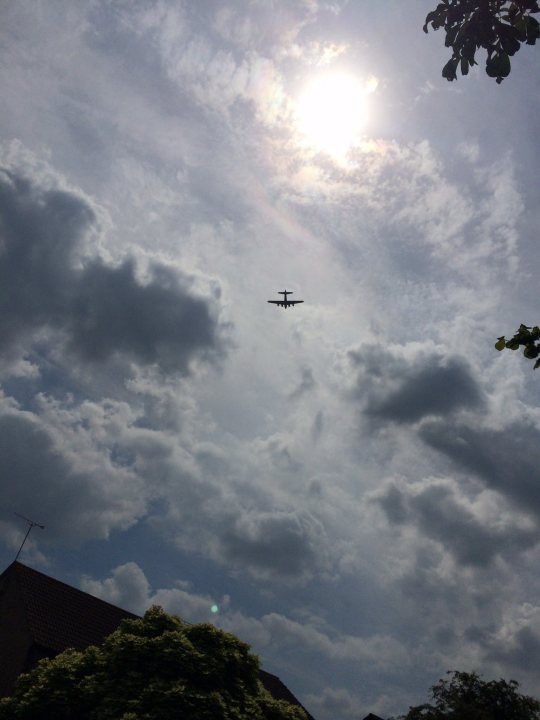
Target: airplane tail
[(285, 292)]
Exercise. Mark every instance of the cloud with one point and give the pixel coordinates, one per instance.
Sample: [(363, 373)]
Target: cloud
[(128, 587), (376, 650), (318, 426), (60, 477), (307, 383), (269, 27), (288, 544), (514, 643), (506, 460), (335, 703), (221, 510), (419, 237), (270, 630), (523, 650), (439, 511), (222, 71), (404, 388), (97, 311)]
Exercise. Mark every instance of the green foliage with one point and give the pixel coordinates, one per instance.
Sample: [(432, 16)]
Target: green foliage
[(498, 26), (467, 697), (155, 668), (527, 336)]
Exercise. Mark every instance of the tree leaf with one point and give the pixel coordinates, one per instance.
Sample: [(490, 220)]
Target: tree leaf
[(498, 26), (530, 352), (449, 70), (498, 66), (430, 17), (532, 30)]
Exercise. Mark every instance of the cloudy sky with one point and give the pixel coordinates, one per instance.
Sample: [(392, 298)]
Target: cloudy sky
[(353, 483)]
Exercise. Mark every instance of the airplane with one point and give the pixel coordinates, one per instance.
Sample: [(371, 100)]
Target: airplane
[(285, 303)]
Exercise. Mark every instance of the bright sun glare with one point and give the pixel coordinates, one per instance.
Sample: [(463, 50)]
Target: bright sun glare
[(330, 112)]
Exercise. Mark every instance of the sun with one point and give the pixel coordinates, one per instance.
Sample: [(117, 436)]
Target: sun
[(331, 112)]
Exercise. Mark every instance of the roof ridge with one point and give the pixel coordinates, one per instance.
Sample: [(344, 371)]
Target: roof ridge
[(70, 588)]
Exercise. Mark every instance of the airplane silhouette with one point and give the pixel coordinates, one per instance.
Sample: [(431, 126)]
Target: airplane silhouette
[(285, 303)]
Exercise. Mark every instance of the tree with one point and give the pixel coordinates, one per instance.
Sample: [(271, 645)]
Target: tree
[(467, 697), (154, 668), (498, 26), (527, 336)]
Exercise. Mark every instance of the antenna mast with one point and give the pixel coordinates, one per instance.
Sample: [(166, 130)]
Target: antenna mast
[(31, 524)]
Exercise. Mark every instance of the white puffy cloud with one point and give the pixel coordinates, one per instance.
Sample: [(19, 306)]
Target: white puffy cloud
[(127, 588)]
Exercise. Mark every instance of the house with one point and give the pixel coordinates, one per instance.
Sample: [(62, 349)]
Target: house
[(40, 617)]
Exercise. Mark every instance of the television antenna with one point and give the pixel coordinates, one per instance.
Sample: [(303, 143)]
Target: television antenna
[(31, 524)]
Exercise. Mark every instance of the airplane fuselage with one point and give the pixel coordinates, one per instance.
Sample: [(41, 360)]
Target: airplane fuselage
[(285, 303)]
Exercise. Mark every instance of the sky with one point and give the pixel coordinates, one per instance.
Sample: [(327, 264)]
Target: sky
[(352, 485)]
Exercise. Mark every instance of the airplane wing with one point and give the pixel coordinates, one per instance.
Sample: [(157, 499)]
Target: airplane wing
[(294, 302), (276, 302)]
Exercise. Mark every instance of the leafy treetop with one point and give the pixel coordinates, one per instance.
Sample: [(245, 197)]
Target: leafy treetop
[(465, 696), (527, 336), (154, 668), (498, 26)]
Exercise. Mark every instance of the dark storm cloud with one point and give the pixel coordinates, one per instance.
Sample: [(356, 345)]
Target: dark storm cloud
[(277, 544), (102, 310), (521, 651), (506, 460), (404, 390), (76, 495), (431, 390), (393, 501), (437, 511)]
